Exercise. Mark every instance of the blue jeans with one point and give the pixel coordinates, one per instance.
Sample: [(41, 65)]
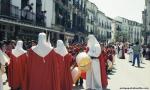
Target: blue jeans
[(136, 56)]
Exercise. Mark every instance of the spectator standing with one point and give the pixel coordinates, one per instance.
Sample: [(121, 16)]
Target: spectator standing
[(136, 53), (130, 52), (148, 52)]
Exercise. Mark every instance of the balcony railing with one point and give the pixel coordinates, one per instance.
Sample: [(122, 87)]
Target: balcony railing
[(14, 13), (88, 20), (28, 17), (11, 12)]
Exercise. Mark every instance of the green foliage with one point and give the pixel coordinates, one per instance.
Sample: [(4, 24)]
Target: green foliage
[(121, 36)]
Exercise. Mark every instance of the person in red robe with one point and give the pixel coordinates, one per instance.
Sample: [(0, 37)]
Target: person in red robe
[(103, 63), (64, 71), (109, 53), (123, 52), (16, 71), (16, 67), (41, 69), (65, 61), (42, 72)]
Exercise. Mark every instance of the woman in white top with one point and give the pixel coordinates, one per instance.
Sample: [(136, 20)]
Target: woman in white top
[(130, 52)]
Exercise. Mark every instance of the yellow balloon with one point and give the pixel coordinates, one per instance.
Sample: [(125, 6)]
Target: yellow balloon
[(83, 61)]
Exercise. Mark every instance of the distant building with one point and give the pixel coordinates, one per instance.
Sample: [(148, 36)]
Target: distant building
[(24, 19), (91, 10), (68, 20), (146, 22), (103, 26), (131, 29), (116, 27), (97, 22), (20, 20)]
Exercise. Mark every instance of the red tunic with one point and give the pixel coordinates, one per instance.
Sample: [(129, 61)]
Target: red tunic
[(103, 61), (110, 54), (16, 70), (42, 72), (65, 63), (123, 52)]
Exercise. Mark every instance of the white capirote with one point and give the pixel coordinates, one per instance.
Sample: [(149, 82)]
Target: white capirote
[(42, 48), (61, 48), (18, 50)]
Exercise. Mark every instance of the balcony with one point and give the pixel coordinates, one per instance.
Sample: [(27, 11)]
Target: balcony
[(40, 19), (62, 4), (92, 22), (12, 12), (28, 17), (88, 20)]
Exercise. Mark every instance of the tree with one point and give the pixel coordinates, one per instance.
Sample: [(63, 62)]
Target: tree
[(121, 36)]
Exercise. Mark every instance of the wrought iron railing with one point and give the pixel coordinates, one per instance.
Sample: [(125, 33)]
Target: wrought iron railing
[(13, 12)]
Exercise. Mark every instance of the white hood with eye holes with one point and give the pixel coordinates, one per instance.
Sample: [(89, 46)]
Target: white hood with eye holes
[(94, 46), (60, 48)]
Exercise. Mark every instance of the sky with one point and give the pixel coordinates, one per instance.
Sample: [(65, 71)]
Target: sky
[(130, 9)]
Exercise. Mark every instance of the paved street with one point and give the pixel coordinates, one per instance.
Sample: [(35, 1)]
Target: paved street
[(6, 85), (125, 76)]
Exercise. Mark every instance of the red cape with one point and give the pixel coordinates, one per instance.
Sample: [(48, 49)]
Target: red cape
[(64, 64), (16, 70), (103, 61), (42, 72)]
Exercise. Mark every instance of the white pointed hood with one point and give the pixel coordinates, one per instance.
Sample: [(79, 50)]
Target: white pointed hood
[(48, 41), (60, 48), (94, 46), (18, 49), (19, 45), (91, 41)]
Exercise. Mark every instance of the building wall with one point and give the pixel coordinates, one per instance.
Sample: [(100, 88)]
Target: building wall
[(17, 3), (90, 17), (132, 29), (104, 26), (116, 27), (148, 14), (148, 20), (34, 5), (113, 26), (101, 25), (47, 5)]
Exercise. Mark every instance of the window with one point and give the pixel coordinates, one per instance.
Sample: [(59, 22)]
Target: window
[(11, 28), (3, 27), (87, 28), (91, 28)]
